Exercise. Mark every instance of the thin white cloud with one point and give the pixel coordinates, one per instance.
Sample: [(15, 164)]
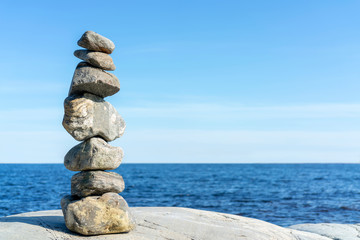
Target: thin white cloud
[(31, 114), (24, 139), (34, 146), (194, 146), (31, 87), (202, 111), (145, 49), (224, 111), (241, 146)]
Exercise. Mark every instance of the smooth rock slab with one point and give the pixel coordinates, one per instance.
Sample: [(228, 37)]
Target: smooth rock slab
[(106, 214), (89, 116), (94, 41), (331, 230), (93, 154), (160, 223), (88, 183), (96, 59), (93, 80)]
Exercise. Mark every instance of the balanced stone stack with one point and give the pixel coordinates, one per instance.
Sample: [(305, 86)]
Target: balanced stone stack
[(94, 206)]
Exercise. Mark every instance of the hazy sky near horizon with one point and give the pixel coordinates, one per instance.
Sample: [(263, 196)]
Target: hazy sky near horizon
[(201, 81)]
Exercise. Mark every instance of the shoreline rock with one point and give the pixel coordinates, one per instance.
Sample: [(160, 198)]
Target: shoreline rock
[(331, 230), (161, 223)]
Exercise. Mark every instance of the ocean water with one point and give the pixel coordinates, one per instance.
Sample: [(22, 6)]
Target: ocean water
[(283, 194)]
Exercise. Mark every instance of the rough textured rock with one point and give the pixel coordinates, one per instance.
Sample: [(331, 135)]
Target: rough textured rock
[(88, 116), (94, 41), (93, 80), (160, 223), (332, 230), (105, 214), (88, 183), (96, 59), (93, 154)]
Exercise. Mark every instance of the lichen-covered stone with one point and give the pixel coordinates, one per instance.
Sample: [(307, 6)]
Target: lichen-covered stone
[(93, 80), (88, 116), (97, 215), (89, 183), (96, 59), (93, 154), (94, 41)]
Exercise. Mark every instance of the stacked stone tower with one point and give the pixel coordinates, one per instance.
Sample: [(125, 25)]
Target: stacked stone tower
[(94, 206)]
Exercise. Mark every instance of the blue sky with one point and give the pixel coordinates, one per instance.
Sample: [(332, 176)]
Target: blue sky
[(201, 81)]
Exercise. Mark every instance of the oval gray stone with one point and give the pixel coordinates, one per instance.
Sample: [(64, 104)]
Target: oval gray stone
[(93, 154), (93, 80), (89, 116), (104, 214), (94, 41), (96, 59), (89, 183)]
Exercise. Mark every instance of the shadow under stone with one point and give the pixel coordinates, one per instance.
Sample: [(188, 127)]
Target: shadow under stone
[(53, 223)]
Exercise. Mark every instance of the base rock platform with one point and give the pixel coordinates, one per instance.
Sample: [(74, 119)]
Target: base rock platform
[(160, 223)]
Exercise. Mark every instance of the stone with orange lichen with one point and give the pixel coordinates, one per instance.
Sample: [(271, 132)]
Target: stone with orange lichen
[(97, 215)]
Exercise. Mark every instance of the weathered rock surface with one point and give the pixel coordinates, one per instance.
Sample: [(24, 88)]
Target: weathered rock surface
[(88, 116), (96, 59), (331, 230), (94, 41), (158, 223), (105, 214), (88, 183), (93, 80), (93, 154)]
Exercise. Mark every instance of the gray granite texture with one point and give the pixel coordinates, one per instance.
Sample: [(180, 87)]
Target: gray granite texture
[(333, 231), (88, 116), (160, 223)]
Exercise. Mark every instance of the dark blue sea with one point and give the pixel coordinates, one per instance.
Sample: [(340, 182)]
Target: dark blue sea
[(283, 194)]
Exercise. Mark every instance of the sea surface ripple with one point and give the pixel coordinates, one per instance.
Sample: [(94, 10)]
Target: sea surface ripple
[(283, 194)]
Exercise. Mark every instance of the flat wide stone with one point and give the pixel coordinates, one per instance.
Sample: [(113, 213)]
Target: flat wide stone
[(96, 59), (89, 183), (105, 214), (89, 116), (93, 154), (94, 41), (160, 223), (89, 79)]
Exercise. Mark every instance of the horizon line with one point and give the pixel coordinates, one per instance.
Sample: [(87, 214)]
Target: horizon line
[(212, 163)]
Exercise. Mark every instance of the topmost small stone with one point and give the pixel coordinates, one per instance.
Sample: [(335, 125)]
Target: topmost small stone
[(94, 41)]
